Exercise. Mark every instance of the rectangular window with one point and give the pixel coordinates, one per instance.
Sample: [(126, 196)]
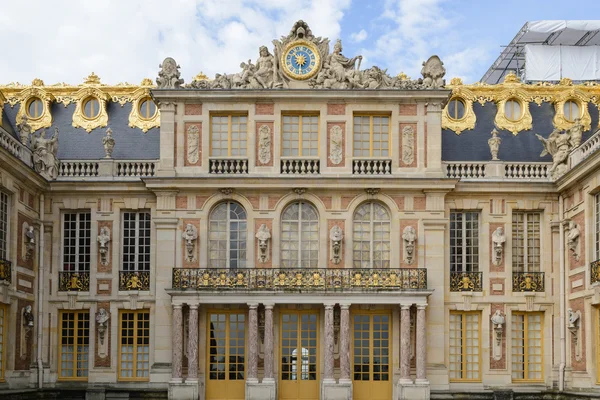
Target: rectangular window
[(371, 136), (228, 136), (300, 136), (526, 241), (597, 220), (76, 241), (136, 241), (465, 346), (3, 334), (3, 226), (134, 345), (464, 241), (527, 346), (74, 344)]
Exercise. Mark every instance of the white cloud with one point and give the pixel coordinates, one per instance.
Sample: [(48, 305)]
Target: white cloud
[(64, 41), (359, 36)]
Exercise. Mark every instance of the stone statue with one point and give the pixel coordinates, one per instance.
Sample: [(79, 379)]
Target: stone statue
[(576, 132), (190, 235), (103, 239), (410, 236), (30, 241), (433, 72), (102, 317), (558, 145), (573, 239), (263, 235), (338, 71), (336, 235), (335, 144), (28, 316), (109, 143), (265, 74), (494, 143), (264, 144), (498, 240), (45, 161), (573, 318), (168, 76), (24, 130)]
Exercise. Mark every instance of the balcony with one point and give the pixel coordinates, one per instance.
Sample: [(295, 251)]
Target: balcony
[(594, 272), (300, 279), (466, 281), (300, 166), (74, 281), (5, 271), (377, 166), (120, 169), (134, 280), (528, 282), (228, 166)]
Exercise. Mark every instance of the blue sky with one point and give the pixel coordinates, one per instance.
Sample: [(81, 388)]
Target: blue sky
[(65, 40)]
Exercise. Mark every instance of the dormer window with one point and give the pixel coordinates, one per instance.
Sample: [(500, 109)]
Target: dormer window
[(91, 107), (147, 109), (35, 108), (456, 109), (571, 110), (513, 110)]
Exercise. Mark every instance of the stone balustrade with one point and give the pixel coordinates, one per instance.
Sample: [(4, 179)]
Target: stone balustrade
[(228, 166), (15, 147), (376, 166), (300, 166), (120, 169), (498, 170), (586, 149)]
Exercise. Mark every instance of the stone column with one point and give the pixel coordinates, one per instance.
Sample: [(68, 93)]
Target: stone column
[(421, 344), (193, 344), (177, 344), (345, 343), (405, 344), (252, 343), (329, 339), (269, 350)]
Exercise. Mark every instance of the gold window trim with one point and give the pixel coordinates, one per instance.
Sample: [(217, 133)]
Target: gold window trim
[(468, 120), (463, 331), (78, 314), (371, 115), (581, 99), (301, 114), (80, 120), (524, 123), (136, 120), (27, 95)]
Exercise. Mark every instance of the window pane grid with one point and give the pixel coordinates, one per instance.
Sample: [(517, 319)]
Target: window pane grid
[(3, 225), (527, 350), (371, 347), (371, 136), (227, 347), (464, 347), (74, 346), (526, 241), (371, 236), (136, 241), (300, 236), (229, 136), (76, 241), (134, 349), (299, 346), (300, 136), (464, 241), (227, 236)]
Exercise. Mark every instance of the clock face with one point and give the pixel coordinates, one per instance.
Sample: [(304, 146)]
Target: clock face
[(301, 60)]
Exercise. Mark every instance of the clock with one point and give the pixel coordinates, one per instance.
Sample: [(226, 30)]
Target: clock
[(301, 60)]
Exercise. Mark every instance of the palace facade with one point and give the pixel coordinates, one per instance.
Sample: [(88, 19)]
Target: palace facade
[(301, 229)]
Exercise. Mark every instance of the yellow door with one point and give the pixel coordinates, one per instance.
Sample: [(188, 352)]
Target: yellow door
[(298, 365), (226, 348), (372, 350)]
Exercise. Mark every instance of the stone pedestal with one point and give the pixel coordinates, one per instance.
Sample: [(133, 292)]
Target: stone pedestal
[(336, 391), (413, 391), (183, 391), (266, 390)]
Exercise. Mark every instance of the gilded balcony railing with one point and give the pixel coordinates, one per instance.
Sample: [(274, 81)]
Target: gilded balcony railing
[(5, 270), (134, 280), (528, 282), (295, 279), (595, 271), (74, 281), (466, 281)]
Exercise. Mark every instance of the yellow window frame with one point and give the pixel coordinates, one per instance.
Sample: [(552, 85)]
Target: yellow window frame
[(463, 331), (136, 320), (526, 352), (390, 347), (4, 334), (229, 125), (597, 323), (300, 116), (227, 313), (78, 316), (371, 117)]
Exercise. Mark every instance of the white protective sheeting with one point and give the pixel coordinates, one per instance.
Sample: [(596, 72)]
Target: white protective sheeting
[(552, 63), (549, 26)]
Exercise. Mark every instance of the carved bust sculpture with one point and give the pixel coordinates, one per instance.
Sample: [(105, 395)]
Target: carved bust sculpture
[(410, 236), (336, 235), (498, 319), (102, 317), (573, 318), (263, 235), (498, 239), (27, 316), (573, 239)]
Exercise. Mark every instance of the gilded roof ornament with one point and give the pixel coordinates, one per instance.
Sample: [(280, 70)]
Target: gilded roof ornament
[(511, 77), (146, 82), (566, 82), (200, 77), (92, 79), (37, 82), (456, 81), (403, 77)]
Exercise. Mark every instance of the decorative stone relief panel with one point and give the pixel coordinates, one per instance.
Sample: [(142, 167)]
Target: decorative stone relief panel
[(264, 144), (336, 144), (408, 148), (193, 144)]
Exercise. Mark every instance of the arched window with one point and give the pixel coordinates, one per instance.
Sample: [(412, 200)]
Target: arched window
[(227, 236), (300, 236), (371, 236)]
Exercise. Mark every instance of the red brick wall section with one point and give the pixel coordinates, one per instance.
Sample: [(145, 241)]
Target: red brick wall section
[(415, 224), (496, 268), (264, 109), (273, 200), (501, 363), (399, 202), (341, 224), (578, 305), (343, 126), (31, 200), (269, 223), (327, 201), (200, 200), (102, 362), (408, 109), (336, 109), (346, 201), (578, 280), (25, 283), (109, 225), (185, 145), (419, 203), (415, 146), (258, 126), (181, 202), (196, 262), (21, 245), (23, 361), (579, 219), (193, 109), (102, 283), (497, 281), (255, 201)]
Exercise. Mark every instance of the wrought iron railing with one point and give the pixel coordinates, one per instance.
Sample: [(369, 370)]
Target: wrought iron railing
[(74, 281), (294, 279), (595, 271), (528, 282), (134, 280), (5, 270), (466, 281)]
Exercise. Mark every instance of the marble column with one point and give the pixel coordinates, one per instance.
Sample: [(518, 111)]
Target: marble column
[(269, 350), (177, 344), (252, 343), (405, 343), (329, 339), (345, 343), (193, 344), (421, 343)]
